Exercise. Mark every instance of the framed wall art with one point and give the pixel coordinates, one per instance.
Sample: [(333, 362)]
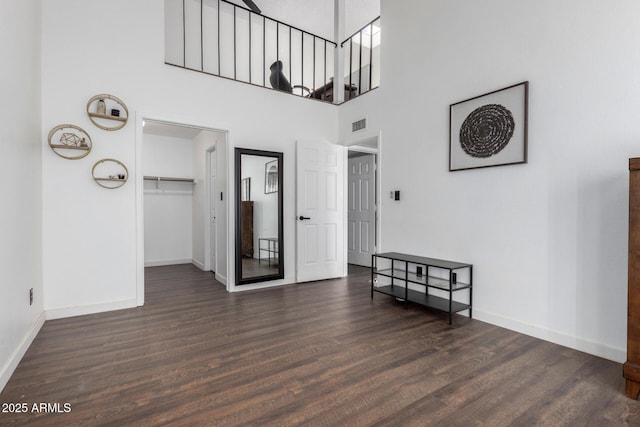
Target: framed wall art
[(271, 177), (490, 129)]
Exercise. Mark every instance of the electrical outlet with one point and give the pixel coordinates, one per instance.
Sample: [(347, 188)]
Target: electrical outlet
[(31, 296)]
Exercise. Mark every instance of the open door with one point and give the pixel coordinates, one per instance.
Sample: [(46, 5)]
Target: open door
[(319, 211)]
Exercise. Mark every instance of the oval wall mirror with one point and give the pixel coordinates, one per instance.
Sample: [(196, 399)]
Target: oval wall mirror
[(259, 237)]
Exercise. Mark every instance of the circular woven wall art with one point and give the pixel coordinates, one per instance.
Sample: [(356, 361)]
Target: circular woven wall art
[(487, 130)]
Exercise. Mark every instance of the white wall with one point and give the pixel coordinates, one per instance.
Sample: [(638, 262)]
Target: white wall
[(168, 205), (21, 175), (548, 239), (129, 63), (359, 13), (368, 106)]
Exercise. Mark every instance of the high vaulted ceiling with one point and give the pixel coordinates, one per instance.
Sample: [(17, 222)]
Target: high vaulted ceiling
[(316, 16)]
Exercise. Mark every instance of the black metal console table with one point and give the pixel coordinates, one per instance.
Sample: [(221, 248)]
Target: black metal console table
[(392, 274)]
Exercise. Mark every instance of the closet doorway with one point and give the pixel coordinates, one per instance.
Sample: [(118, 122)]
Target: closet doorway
[(184, 186)]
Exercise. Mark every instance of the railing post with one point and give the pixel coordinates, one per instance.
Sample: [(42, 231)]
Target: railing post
[(350, 66), (219, 68), (264, 51), (360, 68), (338, 63), (184, 37), (290, 61), (250, 43), (234, 44), (370, 55)]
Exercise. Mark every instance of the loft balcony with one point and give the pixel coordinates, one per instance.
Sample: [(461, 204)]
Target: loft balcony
[(223, 39)]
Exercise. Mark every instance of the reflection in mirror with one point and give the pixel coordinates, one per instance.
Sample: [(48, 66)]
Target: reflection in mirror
[(258, 216), (246, 190)]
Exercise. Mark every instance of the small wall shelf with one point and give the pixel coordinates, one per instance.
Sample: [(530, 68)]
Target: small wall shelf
[(106, 116), (71, 141), (69, 148), (110, 173), (99, 110)]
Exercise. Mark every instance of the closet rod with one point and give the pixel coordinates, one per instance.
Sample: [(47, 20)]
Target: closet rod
[(165, 178)]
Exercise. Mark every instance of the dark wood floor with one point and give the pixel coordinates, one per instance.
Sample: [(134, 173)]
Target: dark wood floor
[(251, 267), (316, 354)]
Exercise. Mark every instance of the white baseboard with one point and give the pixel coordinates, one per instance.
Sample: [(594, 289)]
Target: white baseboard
[(18, 354), (597, 349), (221, 279), (167, 262), (200, 265), (264, 285), (59, 313)]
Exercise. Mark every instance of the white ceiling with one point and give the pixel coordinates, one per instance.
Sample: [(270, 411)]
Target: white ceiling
[(316, 16)]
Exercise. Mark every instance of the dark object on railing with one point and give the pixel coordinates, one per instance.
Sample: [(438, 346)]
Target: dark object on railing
[(277, 78), (280, 82), (115, 112)]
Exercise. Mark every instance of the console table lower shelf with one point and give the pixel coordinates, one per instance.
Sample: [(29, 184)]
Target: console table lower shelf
[(423, 298), (439, 275)]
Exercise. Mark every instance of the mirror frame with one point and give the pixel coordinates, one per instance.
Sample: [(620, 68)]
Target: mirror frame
[(239, 152)]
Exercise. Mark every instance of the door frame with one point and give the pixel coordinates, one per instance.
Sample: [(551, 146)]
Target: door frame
[(376, 203), (140, 118), (207, 226), (359, 147)]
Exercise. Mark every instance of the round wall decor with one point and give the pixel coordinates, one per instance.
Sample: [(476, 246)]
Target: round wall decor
[(70, 141), (110, 173), (487, 130), (107, 112)]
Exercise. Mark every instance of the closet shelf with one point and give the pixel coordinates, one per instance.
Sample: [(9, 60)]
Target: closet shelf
[(166, 178)]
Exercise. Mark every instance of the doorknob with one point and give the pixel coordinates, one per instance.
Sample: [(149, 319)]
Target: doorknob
[(303, 217)]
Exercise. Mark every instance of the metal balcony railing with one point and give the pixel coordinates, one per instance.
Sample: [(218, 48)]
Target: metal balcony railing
[(223, 39), (362, 60)]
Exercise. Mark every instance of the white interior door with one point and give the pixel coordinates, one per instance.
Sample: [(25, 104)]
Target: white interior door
[(319, 211), (361, 211), (213, 167)]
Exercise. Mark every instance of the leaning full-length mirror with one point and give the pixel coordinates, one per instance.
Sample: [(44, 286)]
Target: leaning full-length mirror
[(258, 184)]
